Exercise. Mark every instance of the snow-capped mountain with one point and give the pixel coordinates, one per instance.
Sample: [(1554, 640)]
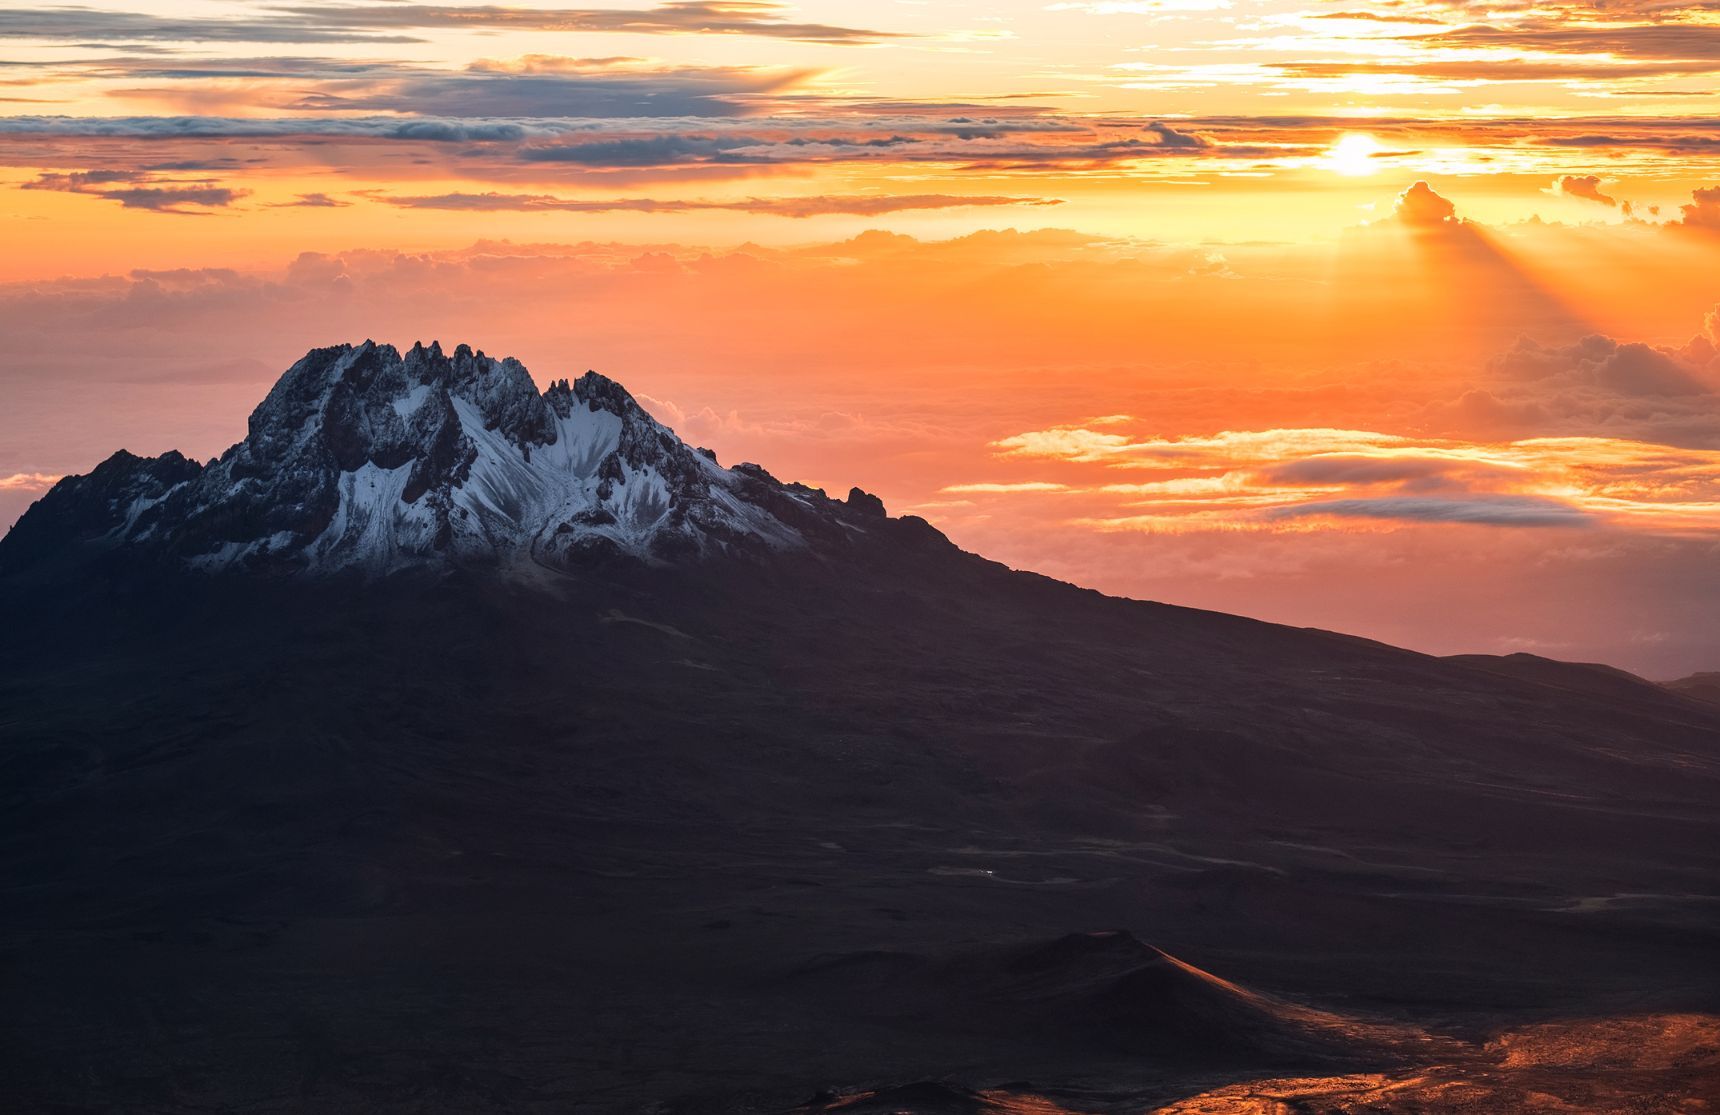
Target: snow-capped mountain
[(364, 458)]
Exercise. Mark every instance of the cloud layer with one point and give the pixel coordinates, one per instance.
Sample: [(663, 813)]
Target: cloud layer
[(403, 23)]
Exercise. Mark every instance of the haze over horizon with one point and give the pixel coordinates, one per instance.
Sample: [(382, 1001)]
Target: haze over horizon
[(951, 557), (1397, 319)]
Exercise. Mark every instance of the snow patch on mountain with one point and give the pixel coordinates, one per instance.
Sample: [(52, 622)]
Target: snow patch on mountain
[(364, 458)]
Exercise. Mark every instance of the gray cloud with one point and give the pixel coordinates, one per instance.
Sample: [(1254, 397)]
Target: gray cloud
[(815, 206), (1167, 136), (1586, 187), (561, 88), (75, 24), (654, 151), (138, 190), (1619, 368), (1508, 511), (1660, 40), (1499, 70), (1596, 387), (1645, 140), (312, 201), (230, 127), (1341, 469), (390, 23), (963, 143), (679, 17)]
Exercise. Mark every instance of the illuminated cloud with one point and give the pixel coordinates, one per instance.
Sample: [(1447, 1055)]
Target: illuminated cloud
[(549, 119), (1703, 210), (1004, 488), (1137, 7), (1585, 187), (28, 482), (1420, 207), (1603, 433), (1185, 150), (1253, 480)]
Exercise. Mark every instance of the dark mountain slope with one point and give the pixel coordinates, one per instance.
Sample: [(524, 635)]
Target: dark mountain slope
[(1702, 687), (717, 832)]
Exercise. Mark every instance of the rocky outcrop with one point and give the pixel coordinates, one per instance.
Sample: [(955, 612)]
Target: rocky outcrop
[(363, 458)]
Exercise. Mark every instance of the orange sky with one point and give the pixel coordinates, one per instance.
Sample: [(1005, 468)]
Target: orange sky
[(1390, 317)]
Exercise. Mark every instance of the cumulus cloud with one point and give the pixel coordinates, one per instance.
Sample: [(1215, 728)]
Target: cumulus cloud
[(1703, 211), (1585, 187), (1167, 136), (1596, 386), (1420, 207), (1621, 368)]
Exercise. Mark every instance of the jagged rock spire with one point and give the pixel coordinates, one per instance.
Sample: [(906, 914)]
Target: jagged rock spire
[(361, 457)]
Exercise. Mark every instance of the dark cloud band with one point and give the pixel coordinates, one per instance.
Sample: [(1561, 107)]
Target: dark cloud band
[(394, 23)]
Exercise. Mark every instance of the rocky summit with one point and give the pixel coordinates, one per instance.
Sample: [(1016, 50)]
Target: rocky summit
[(362, 458), (764, 802)]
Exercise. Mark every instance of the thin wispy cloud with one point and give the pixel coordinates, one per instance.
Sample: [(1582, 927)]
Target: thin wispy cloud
[(403, 23), (681, 17), (138, 190), (796, 207)]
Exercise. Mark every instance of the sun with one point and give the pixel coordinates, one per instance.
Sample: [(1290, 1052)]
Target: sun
[(1353, 154)]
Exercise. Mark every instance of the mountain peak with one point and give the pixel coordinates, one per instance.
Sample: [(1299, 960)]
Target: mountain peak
[(363, 458)]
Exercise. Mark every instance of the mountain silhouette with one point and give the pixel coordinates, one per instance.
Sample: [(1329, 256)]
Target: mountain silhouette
[(448, 745)]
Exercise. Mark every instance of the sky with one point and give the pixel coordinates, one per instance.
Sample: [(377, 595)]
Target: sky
[(1393, 317)]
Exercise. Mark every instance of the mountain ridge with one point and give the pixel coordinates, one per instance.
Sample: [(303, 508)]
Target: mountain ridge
[(364, 458), (716, 826)]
